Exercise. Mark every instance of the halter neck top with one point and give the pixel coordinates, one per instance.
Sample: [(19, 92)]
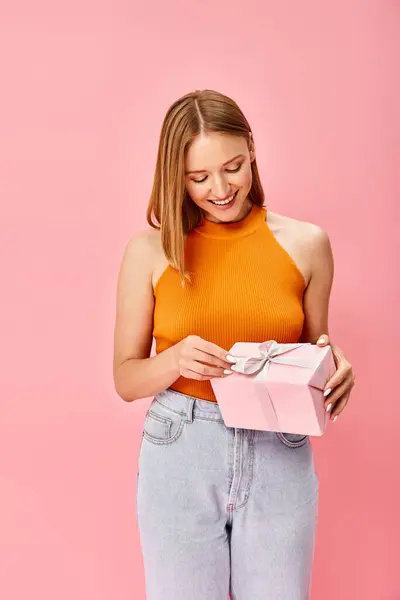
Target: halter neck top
[(245, 288)]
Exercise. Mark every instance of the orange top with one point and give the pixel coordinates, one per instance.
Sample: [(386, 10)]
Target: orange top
[(245, 288)]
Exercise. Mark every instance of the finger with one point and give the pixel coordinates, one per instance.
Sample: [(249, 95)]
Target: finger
[(323, 340), (189, 374), (210, 359), (338, 378), (203, 369), (338, 356), (337, 393), (211, 348), (340, 405)]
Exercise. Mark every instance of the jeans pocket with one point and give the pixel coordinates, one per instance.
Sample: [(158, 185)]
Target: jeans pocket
[(162, 425), (293, 440)]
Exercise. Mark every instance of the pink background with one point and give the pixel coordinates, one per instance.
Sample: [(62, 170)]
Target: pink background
[(85, 86)]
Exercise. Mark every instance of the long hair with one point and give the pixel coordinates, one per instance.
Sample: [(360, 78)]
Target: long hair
[(170, 208)]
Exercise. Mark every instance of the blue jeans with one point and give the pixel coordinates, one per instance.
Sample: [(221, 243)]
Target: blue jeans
[(222, 510)]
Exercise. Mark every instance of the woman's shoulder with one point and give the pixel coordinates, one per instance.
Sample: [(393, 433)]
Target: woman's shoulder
[(303, 240), (295, 229), (143, 248), (146, 251), (146, 240)]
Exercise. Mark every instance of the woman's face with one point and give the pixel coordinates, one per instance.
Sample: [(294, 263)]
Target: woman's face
[(217, 167)]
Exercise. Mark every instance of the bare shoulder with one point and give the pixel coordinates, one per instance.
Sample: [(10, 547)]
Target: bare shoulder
[(145, 252), (305, 234), (307, 243), (143, 245), (137, 261), (146, 239)]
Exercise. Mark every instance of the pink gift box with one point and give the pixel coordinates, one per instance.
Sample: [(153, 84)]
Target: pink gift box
[(276, 387)]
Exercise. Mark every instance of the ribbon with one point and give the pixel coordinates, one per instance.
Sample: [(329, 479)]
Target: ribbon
[(258, 366)]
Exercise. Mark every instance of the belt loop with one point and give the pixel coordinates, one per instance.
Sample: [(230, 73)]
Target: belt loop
[(189, 409)]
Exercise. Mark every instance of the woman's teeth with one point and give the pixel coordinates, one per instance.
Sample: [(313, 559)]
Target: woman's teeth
[(222, 202)]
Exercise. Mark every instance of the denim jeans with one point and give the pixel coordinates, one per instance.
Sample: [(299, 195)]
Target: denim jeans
[(223, 510)]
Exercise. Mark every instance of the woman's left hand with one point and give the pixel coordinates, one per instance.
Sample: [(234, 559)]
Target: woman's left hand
[(338, 388)]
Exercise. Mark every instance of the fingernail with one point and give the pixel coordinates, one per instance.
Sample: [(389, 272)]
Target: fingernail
[(227, 372), (321, 340), (333, 420), (329, 407), (230, 358), (327, 392)]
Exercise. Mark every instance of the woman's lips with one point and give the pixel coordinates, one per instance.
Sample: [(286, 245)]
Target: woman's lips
[(228, 204)]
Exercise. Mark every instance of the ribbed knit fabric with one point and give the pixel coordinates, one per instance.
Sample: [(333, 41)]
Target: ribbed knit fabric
[(245, 288)]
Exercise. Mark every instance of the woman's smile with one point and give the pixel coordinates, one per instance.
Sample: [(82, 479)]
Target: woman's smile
[(224, 204)]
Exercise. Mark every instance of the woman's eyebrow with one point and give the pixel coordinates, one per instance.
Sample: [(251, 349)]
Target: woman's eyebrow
[(225, 163)]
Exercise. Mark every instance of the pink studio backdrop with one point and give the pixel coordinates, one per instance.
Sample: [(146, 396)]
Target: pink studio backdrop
[(84, 89)]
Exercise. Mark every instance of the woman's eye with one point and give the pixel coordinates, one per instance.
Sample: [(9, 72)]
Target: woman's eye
[(228, 170), (234, 170)]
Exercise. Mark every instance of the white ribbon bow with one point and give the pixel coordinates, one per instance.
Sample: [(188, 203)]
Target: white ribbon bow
[(269, 353)]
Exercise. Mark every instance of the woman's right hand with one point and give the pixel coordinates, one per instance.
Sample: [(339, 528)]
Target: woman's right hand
[(199, 359)]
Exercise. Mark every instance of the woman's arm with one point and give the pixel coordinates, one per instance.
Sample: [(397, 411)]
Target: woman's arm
[(136, 374), (317, 295), (316, 308)]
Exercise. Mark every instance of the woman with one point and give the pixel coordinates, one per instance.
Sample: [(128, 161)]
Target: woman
[(220, 510)]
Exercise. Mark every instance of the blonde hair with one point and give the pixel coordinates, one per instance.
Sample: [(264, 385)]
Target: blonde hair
[(170, 208)]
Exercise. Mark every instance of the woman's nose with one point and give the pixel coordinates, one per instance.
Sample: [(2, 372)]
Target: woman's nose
[(220, 189)]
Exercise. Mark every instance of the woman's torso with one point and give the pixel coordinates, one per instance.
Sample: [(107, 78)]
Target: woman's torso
[(252, 291)]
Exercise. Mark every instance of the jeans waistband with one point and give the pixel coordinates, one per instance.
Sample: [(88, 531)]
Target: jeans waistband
[(189, 406)]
